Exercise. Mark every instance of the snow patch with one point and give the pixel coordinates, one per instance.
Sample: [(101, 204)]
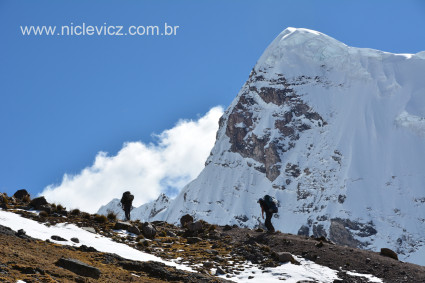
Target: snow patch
[(68, 231)]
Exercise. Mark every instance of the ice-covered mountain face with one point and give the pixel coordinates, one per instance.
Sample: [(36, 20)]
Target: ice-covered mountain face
[(335, 133)]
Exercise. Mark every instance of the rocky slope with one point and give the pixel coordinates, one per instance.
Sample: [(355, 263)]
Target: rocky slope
[(335, 133), (225, 251)]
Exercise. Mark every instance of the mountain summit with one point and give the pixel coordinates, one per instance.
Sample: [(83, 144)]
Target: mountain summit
[(335, 133)]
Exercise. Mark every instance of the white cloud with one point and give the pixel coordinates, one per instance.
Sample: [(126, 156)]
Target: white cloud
[(176, 158)]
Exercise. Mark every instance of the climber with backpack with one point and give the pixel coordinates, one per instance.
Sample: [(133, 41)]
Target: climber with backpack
[(269, 206), (127, 203)]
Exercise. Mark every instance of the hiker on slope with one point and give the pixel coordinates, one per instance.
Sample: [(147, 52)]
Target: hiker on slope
[(127, 203), (269, 206)]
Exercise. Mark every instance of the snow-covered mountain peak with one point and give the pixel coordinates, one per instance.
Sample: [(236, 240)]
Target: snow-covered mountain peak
[(335, 133), (295, 45)]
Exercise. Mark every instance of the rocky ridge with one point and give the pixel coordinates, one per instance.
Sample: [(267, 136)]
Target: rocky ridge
[(210, 249)]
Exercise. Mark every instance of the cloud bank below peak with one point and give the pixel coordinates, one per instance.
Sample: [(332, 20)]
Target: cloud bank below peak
[(176, 158)]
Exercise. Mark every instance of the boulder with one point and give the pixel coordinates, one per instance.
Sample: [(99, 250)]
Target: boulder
[(79, 267), (120, 225), (134, 230), (20, 194), (75, 240), (285, 257), (148, 230), (389, 253), (37, 203), (186, 219), (46, 207), (195, 227)]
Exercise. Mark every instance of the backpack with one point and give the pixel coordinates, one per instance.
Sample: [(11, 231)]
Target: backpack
[(127, 198), (271, 203)]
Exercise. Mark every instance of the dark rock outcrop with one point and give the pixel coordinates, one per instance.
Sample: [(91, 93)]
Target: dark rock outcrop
[(342, 231), (163, 272), (79, 267)]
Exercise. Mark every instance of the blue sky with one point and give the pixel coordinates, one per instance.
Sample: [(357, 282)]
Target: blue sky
[(64, 99)]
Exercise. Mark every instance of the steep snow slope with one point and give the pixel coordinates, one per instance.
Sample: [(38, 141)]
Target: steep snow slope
[(335, 133)]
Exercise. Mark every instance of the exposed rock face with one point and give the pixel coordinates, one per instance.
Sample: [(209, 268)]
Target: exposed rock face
[(292, 116), (344, 231)]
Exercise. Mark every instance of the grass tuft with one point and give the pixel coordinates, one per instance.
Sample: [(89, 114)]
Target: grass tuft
[(100, 218), (112, 216)]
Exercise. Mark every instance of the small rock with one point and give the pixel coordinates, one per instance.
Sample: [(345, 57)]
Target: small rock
[(319, 244), (79, 267), (193, 240), (220, 270), (186, 219), (208, 264), (389, 253), (58, 238), (171, 234), (213, 252), (75, 240), (89, 229), (367, 260), (21, 232), (84, 248)]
